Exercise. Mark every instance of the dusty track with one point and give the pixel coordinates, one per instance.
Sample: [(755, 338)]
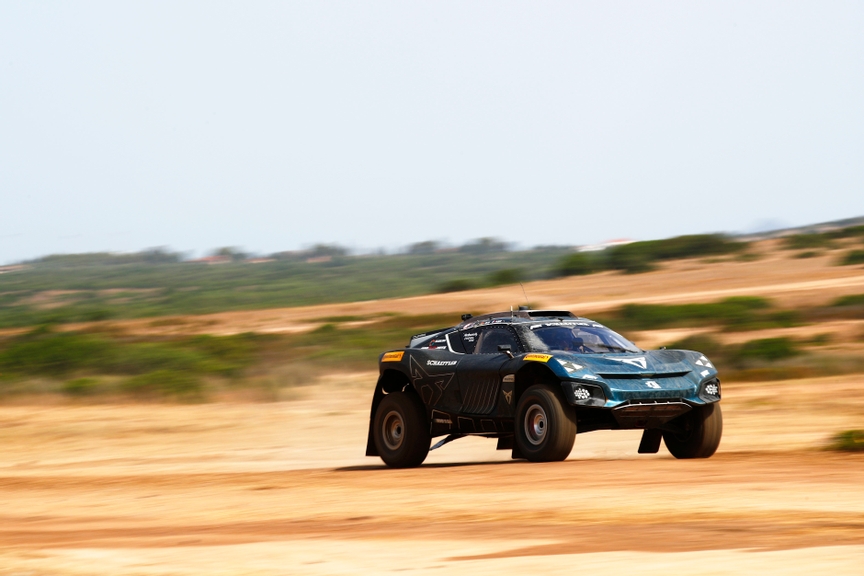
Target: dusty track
[(283, 488)]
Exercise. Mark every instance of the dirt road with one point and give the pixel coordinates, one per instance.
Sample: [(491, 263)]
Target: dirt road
[(283, 488)]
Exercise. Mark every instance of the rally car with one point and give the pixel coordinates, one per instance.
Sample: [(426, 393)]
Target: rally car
[(533, 379)]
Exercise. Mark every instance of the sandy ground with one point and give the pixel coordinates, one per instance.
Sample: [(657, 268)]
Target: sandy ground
[(284, 488)]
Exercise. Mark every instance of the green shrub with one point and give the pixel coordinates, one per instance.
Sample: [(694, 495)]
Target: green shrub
[(164, 383), (848, 441), (853, 257), (703, 343), (143, 357), (748, 256), (229, 354), (631, 258), (45, 352), (768, 349), (848, 232), (807, 254), (458, 285), (642, 256), (807, 241), (81, 387), (846, 307), (779, 319), (506, 276), (851, 300), (820, 339), (639, 256), (734, 312), (578, 264)]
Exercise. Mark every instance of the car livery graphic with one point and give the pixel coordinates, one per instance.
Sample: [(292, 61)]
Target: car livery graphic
[(533, 379)]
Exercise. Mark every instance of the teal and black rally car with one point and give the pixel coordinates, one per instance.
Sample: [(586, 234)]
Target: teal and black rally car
[(533, 379)]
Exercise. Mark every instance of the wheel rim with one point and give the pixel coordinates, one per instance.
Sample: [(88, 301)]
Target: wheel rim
[(535, 424), (393, 430)]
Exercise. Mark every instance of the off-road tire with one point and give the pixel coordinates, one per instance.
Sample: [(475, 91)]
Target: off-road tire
[(545, 425), (401, 430), (700, 437)]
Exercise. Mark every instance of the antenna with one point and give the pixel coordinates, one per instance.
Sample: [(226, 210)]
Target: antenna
[(524, 294)]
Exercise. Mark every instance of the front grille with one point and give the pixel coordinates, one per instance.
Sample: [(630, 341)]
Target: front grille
[(666, 388), (640, 375), (648, 414)]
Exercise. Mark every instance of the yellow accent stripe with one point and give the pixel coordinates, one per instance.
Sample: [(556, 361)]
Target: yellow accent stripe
[(538, 357), (393, 356)]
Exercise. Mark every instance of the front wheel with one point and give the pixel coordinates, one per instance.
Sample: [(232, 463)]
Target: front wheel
[(545, 425), (699, 437), (400, 431)]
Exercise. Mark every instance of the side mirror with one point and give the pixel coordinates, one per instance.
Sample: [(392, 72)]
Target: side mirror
[(506, 348)]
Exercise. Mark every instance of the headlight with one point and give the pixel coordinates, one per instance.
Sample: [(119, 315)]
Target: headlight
[(710, 390), (583, 394)]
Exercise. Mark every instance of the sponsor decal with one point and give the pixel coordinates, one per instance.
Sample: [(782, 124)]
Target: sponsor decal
[(430, 386), (652, 384), (509, 378), (537, 357), (393, 356), (441, 362), (588, 377), (469, 337), (639, 362), (508, 395), (570, 366)]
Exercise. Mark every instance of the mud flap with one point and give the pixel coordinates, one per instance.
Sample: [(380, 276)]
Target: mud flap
[(505, 443), (516, 454), (650, 443), (371, 449)]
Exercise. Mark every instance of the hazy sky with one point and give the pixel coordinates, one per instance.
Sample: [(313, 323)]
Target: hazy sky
[(275, 125)]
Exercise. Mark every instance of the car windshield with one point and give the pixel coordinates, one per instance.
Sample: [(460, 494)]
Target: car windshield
[(580, 339)]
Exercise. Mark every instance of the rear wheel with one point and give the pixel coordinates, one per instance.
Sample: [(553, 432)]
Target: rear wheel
[(401, 432), (545, 425), (699, 437)]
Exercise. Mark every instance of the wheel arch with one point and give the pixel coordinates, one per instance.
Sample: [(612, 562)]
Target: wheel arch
[(530, 374), (390, 380)]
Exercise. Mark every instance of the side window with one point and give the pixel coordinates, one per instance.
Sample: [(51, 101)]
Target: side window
[(495, 336), (454, 339), (469, 339)]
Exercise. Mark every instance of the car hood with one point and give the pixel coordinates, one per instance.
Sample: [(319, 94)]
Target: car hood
[(644, 375), (647, 363)]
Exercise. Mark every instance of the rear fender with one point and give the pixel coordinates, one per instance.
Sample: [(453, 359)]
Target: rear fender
[(389, 381)]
